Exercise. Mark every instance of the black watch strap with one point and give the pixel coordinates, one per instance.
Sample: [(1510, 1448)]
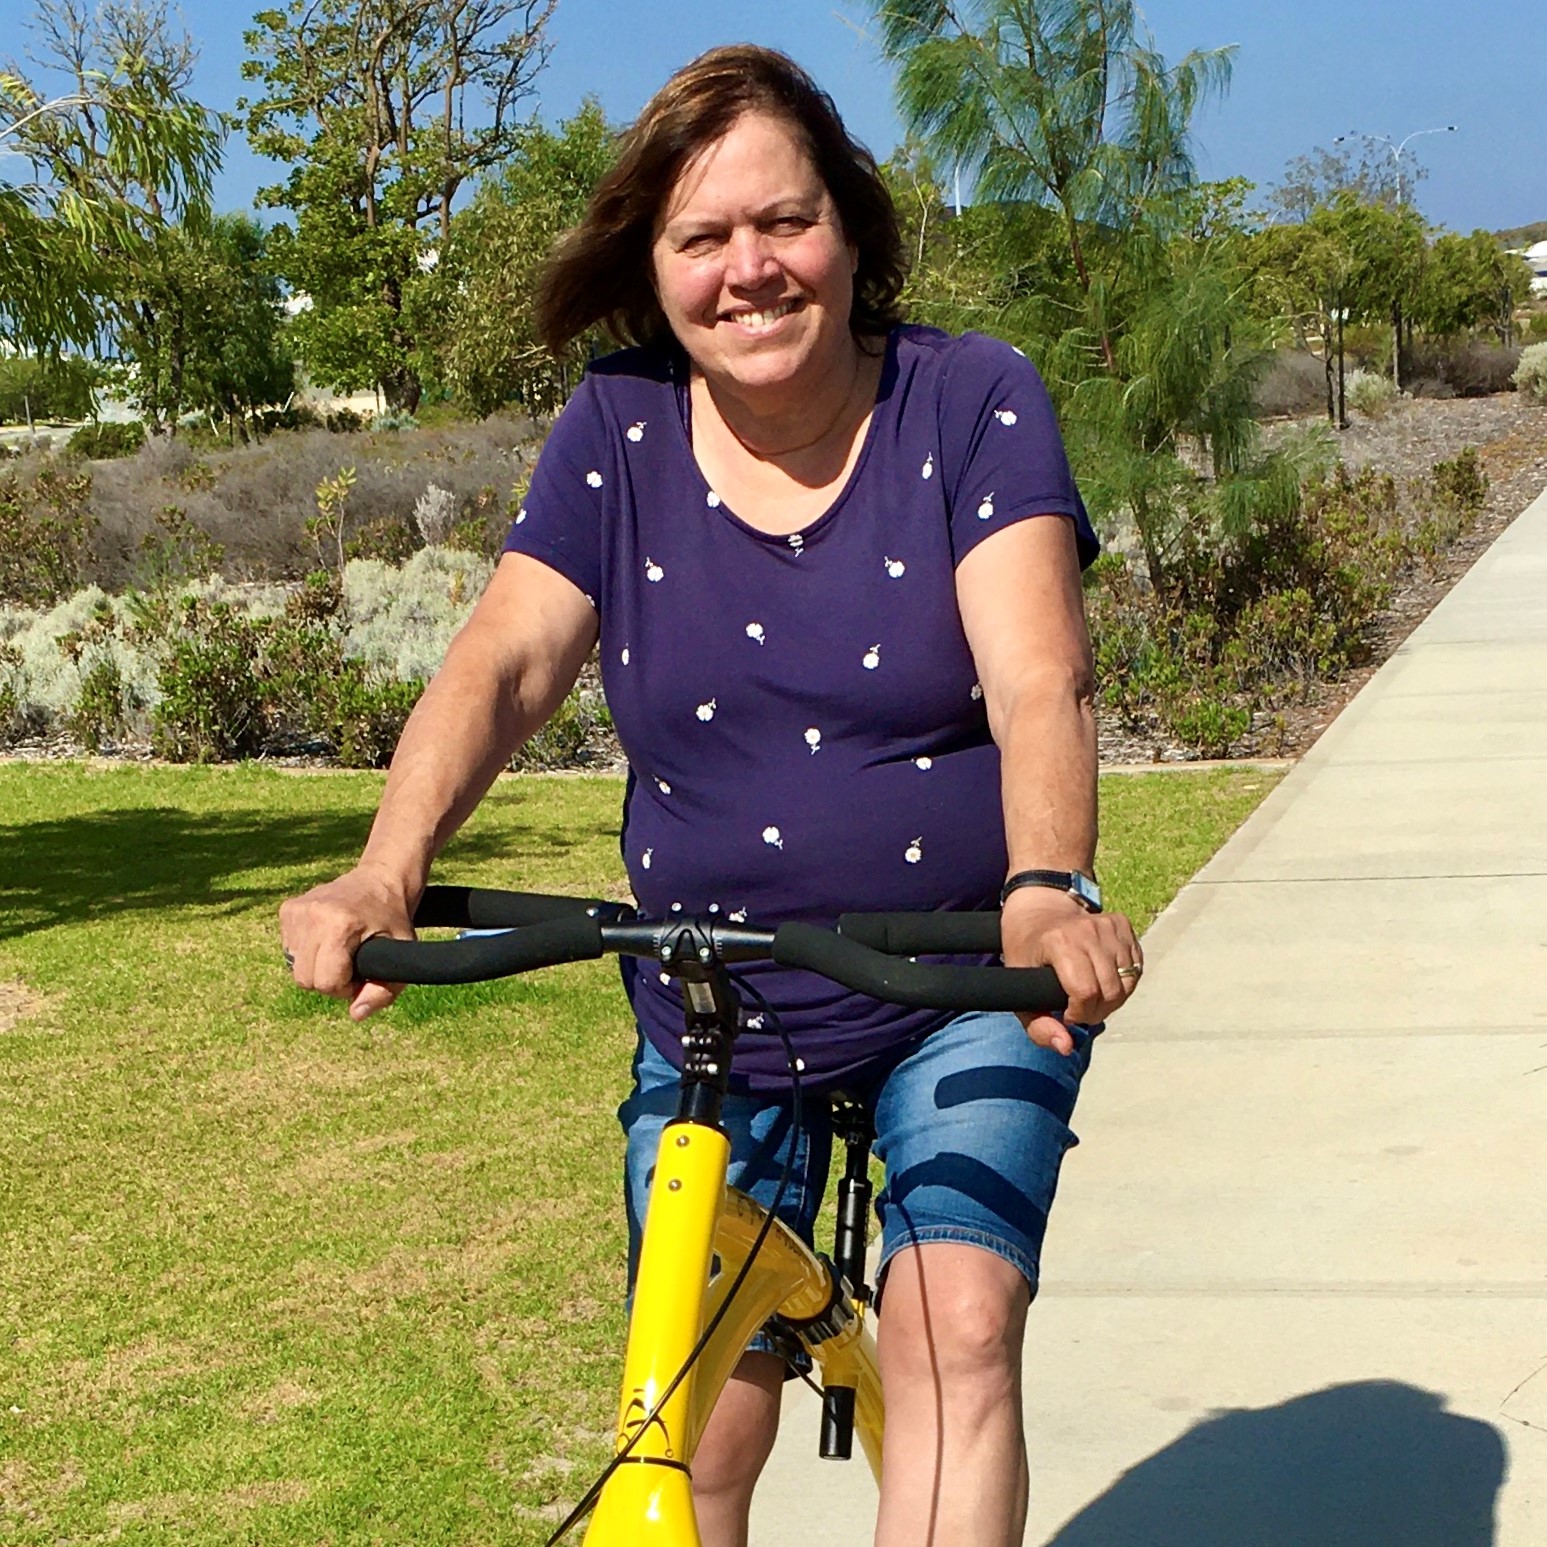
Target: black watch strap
[(1084, 889)]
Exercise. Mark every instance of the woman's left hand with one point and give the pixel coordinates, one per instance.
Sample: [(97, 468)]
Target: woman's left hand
[(1096, 956)]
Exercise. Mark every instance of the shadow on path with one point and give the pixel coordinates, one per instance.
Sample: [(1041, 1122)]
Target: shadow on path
[(1370, 1464), (100, 863)]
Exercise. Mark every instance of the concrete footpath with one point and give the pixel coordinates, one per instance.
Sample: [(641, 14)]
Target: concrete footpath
[(1295, 1288)]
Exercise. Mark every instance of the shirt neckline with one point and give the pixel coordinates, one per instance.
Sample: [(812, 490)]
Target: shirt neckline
[(681, 371)]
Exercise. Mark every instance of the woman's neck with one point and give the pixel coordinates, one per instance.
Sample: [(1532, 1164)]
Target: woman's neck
[(805, 422)]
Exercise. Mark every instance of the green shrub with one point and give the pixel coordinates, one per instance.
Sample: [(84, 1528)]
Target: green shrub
[(101, 442), (394, 419), (1370, 393), (363, 717), (212, 705), (386, 539), (1462, 483), (10, 691), (176, 552), (100, 715), (566, 739), (46, 528), (1531, 373)]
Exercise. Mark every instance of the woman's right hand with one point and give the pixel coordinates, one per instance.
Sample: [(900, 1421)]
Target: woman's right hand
[(321, 930)]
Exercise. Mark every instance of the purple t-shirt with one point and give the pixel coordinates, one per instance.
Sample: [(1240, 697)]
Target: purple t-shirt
[(803, 721)]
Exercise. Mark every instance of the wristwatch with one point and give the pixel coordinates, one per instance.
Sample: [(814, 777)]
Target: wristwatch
[(1083, 888)]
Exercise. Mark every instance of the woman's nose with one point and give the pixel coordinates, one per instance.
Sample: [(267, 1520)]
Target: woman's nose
[(749, 259)]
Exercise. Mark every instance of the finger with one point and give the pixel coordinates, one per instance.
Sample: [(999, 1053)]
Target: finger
[(370, 996), (1089, 977), (1050, 1032)]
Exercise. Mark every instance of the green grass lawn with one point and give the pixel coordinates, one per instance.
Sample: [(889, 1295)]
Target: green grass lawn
[(269, 1277)]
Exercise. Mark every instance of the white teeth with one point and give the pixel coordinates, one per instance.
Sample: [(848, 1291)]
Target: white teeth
[(765, 318)]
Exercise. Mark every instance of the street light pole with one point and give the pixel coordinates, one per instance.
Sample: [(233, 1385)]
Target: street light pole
[(1396, 157), (1397, 148)]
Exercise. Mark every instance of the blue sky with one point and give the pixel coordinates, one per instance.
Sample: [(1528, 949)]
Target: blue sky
[(1306, 70)]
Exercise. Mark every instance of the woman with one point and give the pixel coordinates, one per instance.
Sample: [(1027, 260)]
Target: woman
[(833, 565)]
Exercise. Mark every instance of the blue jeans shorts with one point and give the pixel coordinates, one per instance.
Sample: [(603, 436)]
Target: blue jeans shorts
[(971, 1126)]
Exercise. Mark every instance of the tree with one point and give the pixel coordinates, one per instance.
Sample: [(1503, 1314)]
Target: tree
[(484, 342), (1470, 282), (1121, 277), (1361, 166), (204, 329), (1065, 104), (112, 161), (368, 101)]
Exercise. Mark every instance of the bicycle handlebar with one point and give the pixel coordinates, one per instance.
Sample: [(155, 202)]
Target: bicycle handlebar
[(861, 954)]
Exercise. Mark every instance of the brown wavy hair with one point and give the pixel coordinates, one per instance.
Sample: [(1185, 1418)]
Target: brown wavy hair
[(601, 272)]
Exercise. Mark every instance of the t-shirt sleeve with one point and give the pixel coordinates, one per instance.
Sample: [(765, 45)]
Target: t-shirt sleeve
[(560, 520), (1001, 451)]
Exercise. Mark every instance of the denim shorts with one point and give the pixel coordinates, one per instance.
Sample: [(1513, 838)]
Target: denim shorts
[(971, 1125)]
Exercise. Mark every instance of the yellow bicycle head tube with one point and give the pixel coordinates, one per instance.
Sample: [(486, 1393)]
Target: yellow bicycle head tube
[(648, 1499)]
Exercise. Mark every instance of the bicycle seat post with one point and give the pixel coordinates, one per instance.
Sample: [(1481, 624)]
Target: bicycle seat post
[(852, 1123)]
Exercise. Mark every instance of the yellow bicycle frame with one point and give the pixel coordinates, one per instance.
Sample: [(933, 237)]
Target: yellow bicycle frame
[(692, 1219)]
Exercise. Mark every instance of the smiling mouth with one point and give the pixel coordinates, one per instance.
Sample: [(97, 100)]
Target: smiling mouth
[(763, 317)]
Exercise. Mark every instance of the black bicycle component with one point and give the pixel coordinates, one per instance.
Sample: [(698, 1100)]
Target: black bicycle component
[(852, 1123), (556, 940), (711, 1013), (565, 929), (914, 983), (476, 907), (923, 934), (833, 1317)]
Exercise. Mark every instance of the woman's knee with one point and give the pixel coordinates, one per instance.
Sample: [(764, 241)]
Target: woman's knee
[(741, 1431), (952, 1314)]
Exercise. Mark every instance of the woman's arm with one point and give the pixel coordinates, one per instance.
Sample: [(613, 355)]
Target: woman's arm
[(1024, 615), (506, 672)]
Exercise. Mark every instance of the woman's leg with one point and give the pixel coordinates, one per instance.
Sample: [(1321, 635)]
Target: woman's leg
[(972, 1127), (735, 1445), (949, 1344)]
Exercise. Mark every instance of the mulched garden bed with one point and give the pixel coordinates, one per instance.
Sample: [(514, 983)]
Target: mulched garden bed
[(1510, 433)]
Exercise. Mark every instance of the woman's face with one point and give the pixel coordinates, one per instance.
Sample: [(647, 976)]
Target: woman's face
[(751, 265)]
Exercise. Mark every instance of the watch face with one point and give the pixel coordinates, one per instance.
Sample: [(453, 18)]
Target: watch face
[(1086, 890)]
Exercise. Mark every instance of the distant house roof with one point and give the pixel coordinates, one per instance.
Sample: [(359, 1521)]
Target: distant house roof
[(1536, 256)]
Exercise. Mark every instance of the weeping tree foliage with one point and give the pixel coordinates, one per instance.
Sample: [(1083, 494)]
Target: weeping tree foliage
[(1114, 268), (108, 165)]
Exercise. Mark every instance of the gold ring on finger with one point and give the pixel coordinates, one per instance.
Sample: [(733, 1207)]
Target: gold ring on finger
[(1130, 972)]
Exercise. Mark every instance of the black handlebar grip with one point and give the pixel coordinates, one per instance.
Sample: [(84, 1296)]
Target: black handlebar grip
[(923, 934), (474, 960), (916, 983), (476, 907)]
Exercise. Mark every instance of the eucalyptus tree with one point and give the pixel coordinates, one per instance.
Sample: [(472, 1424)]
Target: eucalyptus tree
[(109, 163), (1140, 322), (382, 110)]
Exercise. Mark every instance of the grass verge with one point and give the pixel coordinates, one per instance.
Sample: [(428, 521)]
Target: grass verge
[(266, 1276)]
